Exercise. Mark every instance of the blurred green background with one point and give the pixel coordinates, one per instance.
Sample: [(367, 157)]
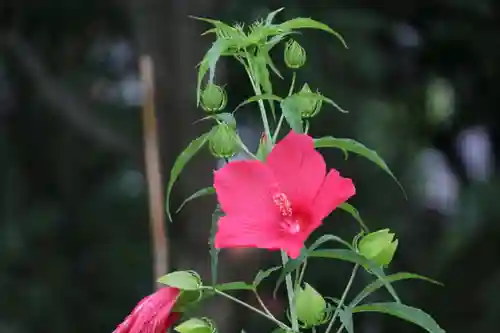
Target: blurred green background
[(420, 79)]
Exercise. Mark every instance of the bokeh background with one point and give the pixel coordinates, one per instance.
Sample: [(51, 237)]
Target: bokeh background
[(421, 81)]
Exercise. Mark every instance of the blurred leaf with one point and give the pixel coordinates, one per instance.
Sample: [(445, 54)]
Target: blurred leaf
[(408, 313), (357, 148), (259, 98), (184, 280), (270, 17), (351, 256), (292, 114), (327, 238), (181, 161), (200, 193), (308, 23), (231, 286), (354, 212), (372, 287), (345, 317), (262, 275), (214, 252), (194, 325)]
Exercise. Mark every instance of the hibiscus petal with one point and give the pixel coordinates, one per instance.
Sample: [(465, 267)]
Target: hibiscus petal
[(246, 188), (334, 191), (245, 231), (298, 167)]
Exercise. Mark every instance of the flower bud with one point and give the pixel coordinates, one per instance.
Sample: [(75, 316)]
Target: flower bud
[(309, 103), (196, 325), (295, 55), (310, 306), (263, 149), (378, 246), (213, 98), (223, 142)]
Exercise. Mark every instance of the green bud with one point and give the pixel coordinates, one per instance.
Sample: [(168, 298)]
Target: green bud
[(263, 149), (196, 325), (309, 103), (378, 246), (295, 55), (224, 141), (213, 98), (310, 306)]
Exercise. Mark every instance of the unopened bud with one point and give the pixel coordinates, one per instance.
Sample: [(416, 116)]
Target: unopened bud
[(213, 98), (196, 325), (310, 306), (263, 149), (295, 55), (378, 246), (309, 102), (224, 141)]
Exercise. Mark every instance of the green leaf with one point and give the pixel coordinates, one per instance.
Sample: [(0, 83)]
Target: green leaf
[(224, 117), (180, 162), (262, 275), (308, 23), (200, 193), (263, 77), (357, 148), (259, 98), (354, 212), (291, 112), (345, 317), (194, 325), (184, 280), (291, 266), (375, 285), (328, 238), (319, 97), (405, 312), (348, 255), (231, 286), (271, 15), (214, 252)]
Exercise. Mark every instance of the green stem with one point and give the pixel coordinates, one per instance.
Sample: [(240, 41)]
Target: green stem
[(340, 328), (302, 272), (291, 294), (342, 299), (248, 306), (306, 129), (266, 310), (282, 117)]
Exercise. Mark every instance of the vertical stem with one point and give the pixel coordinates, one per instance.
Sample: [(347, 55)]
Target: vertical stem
[(153, 171), (342, 299), (291, 294)]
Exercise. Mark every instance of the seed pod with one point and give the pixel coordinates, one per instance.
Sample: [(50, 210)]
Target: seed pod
[(378, 246)]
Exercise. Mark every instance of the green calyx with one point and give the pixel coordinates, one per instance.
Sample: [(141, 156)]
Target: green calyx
[(213, 98), (378, 246), (295, 55), (309, 102), (310, 306), (224, 141)]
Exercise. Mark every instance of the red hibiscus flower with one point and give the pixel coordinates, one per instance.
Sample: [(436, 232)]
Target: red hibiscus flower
[(153, 314), (276, 204)]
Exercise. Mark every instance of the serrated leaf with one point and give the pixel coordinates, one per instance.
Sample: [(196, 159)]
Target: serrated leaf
[(348, 255), (214, 252), (270, 17), (259, 98), (184, 280), (200, 193), (405, 312), (308, 23), (231, 286), (375, 285), (292, 114), (354, 212), (262, 275), (353, 146), (345, 317), (184, 157)]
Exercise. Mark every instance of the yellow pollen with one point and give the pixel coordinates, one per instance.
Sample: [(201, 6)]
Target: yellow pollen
[(285, 206)]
